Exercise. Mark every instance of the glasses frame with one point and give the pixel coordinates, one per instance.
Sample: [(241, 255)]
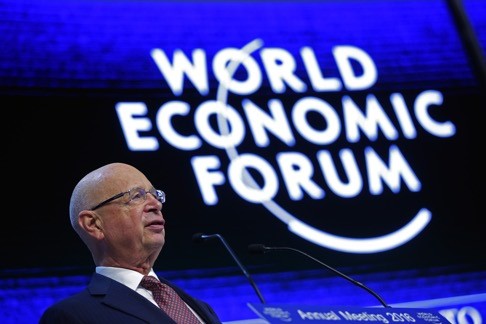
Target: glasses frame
[(158, 194)]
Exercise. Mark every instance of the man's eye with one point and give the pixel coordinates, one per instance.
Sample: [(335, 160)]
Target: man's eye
[(138, 195)]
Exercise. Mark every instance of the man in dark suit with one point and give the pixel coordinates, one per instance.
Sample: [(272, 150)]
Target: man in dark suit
[(117, 213)]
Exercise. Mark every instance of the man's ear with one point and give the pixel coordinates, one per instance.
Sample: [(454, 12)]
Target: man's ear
[(90, 222)]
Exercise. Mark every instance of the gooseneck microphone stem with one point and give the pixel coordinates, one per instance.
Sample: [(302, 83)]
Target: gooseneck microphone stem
[(259, 248), (202, 237)]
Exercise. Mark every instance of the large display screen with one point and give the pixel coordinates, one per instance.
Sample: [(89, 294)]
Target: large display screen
[(351, 130)]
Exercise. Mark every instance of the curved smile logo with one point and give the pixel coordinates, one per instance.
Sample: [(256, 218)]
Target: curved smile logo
[(295, 167)]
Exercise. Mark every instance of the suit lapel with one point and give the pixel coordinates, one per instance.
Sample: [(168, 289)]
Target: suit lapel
[(124, 299)]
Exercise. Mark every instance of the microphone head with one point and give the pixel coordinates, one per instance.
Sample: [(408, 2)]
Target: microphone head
[(257, 248), (198, 238)]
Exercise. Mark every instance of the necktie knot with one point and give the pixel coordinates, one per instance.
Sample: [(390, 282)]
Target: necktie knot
[(151, 283), (168, 300)]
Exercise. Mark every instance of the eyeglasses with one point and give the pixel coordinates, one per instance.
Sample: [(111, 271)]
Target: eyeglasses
[(135, 195)]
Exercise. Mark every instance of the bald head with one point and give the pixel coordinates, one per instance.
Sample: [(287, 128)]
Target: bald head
[(97, 184)]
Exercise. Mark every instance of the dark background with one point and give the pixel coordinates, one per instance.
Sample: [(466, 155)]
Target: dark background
[(54, 140)]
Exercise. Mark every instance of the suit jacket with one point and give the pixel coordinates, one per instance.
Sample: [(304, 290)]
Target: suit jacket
[(106, 300)]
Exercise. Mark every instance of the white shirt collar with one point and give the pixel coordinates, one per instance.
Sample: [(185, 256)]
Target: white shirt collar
[(127, 277)]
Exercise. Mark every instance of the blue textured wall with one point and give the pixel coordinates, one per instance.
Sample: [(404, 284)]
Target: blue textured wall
[(106, 44), (448, 290)]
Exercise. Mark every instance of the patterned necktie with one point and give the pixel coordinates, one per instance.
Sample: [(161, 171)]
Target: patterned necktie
[(169, 301)]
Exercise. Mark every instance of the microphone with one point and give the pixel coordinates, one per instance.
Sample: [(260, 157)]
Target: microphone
[(200, 237), (260, 249)]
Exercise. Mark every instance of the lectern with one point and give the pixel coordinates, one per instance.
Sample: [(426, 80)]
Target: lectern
[(295, 313)]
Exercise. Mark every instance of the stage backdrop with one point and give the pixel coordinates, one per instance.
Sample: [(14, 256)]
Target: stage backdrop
[(351, 130)]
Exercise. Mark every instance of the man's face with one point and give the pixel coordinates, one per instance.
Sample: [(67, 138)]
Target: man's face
[(133, 226)]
